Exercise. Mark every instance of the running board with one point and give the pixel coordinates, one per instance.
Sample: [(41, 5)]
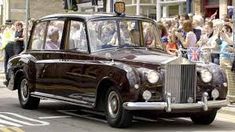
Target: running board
[(63, 99)]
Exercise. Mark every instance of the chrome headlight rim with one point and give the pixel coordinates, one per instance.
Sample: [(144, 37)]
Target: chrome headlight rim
[(146, 95), (152, 76), (215, 93), (206, 76)]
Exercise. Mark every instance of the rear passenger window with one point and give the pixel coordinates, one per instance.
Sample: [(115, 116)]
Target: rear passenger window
[(54, 35), (77, 37), (38, 36)]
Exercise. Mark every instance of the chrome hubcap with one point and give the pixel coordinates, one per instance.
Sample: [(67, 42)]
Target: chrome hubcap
[(24, 90), (113, 104)]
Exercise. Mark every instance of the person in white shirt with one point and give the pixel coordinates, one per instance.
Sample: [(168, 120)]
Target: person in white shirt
[(190, 39), (208, 43), (189, 42)]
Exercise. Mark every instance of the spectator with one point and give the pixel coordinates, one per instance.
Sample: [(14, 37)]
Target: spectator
[(1, 37), (208, 43), (197, 29), (182, 18), (189, 42), (19, 38), (8, 33), (172, 47), (190, 39), (167, 24), (163, 34), (226, 34), (226, 37), (225, 56), (8, 44)]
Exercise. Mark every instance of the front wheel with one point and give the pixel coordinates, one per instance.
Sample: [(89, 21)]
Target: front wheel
[(204, 118), (25, 99), (116, 115)]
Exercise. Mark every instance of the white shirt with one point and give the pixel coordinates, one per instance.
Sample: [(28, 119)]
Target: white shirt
[(192, 39)]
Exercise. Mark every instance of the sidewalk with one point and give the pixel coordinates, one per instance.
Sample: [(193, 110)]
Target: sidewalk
[(2, 78), (2, 75), (230, 109)]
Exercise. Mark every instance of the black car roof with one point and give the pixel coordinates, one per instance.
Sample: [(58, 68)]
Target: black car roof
[(89, 16)]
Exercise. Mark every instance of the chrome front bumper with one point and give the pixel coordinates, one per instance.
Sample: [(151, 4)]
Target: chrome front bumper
[(168, 106)]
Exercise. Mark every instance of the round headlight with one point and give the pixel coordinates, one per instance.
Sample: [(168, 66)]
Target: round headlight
[(152, 77), (206, 76), (147, 95)]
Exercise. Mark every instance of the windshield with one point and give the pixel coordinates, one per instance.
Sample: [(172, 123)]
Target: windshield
[(122, 33)]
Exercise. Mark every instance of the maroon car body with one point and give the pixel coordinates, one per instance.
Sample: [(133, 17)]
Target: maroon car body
[(98, 66)]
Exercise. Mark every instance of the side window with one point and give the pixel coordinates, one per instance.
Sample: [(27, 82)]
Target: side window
[(77, 37), (151, 37), (54, 35), (38, 36), (129, 32)]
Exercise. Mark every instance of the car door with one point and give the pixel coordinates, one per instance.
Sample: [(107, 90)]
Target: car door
[(49, 53), (80, 82)]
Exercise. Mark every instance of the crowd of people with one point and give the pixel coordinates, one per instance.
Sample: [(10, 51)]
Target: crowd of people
[(199, 39), (11, 40)]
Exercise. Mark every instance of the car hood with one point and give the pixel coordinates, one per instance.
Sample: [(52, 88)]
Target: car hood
[(137, 55)]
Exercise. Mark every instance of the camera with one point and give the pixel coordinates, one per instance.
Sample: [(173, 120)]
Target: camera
[(218, 41)]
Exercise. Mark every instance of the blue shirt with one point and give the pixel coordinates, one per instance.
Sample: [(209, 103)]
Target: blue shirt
[(223, 50)]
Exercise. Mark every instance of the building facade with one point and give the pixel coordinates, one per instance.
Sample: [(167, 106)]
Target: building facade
[(209, 7), (16, 9), (156, 9)]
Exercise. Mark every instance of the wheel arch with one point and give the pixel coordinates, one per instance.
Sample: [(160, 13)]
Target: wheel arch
[(101, 91), (18, 75)]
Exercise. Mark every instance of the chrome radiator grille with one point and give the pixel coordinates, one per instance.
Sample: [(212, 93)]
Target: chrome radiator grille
[(180, 81)]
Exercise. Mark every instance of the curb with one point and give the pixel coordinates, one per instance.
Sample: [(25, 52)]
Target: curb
[(230, 109), (2, 78)]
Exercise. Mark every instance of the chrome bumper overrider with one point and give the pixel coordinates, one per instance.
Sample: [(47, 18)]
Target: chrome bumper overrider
[(168, 106)]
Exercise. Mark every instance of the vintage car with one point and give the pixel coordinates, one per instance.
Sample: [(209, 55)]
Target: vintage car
[(114, 64)]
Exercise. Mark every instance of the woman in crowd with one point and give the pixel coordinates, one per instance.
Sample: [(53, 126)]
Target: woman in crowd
[(19, 37), (208, 43), (189, 42), (190, 39), (225, 55), (225, 48), (163, 34)]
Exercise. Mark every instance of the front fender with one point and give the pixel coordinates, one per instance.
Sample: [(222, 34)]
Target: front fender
[(219, 77), (129, 75), (19, 66), (125, 77)]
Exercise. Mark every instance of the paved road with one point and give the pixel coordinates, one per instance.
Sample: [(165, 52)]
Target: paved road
[(59, 117)]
